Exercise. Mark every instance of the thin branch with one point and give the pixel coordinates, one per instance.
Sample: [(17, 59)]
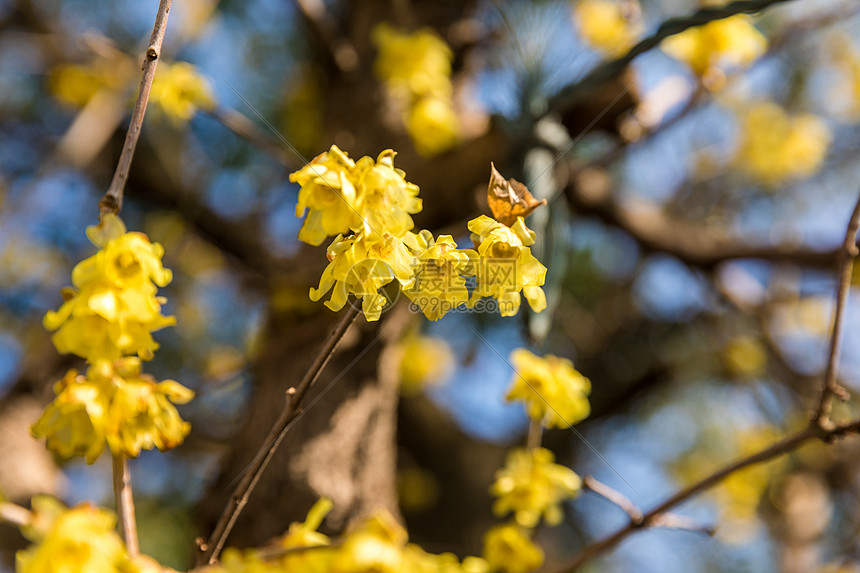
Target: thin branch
[(15, 514), (535, 434), (242, 126), (584, 87), (846, 265), (616, 497), (112, 200), (209, 550), (125, 504)]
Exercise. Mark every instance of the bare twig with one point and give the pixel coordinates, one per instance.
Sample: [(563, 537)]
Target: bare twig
[(846, 265), (15, 514), (535, 434), (112, 200), (819, 426), (616, 497), (209, 550), (125, 504)]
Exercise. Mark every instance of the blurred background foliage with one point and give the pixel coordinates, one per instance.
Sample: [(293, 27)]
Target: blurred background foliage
[(695, 203)]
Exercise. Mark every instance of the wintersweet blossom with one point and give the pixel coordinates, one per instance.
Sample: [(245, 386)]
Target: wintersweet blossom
[(419, 62), (114, 404), (732, 42), (552, 390), (532, 486), (508, 548), (777, 147), (439, 269), (113, 308), (376, 545), (607, 25), (342, 195), (507, 266), (361, 268), (424, 361), (432, 124), (179, 90)]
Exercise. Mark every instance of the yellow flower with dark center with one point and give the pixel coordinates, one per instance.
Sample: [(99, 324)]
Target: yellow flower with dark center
[(361, 268), (507, 548), (179, 90), (532, 486), (607, 25), (79, 539), (113, 308), (507, 266), (552, 390), (74, 423), (732, 42), (440, 269)]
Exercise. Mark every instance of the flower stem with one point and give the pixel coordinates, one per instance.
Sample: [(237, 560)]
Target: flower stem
[(125, 504), (535, 434)]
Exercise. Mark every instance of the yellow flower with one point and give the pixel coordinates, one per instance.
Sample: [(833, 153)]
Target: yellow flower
[(423, 361), (551, 389), (305, 534), (439, 269), (342, 195), (113, 310), (508, 548), (432, 125), (745, 357), (179, 90), (606, 25), (507, 265), (384, 198), (76, 84), (74, 423), (531, 485), (377, 546), (362, 268), (728, 43), (80, 539), (776, 147), (418, 63)]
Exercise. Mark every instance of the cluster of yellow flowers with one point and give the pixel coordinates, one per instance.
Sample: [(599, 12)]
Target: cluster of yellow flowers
[(532, 486), (81, 538), (109, 315), (373, 202), (777, 147), (712, 48), (178, 89), (416, 70), (611, 26)]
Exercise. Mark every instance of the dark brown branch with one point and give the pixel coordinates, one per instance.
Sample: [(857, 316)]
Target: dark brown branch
[(209, 551), (584, 87), (112, 200), (125, 504), (846, 265)]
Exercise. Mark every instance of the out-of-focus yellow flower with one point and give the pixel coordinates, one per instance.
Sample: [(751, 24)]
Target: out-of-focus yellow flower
[(80, 539), (113, 308), (305, 534), (141, 414), (249, 561), (607, 25), (552, 390), (506, 265), (745, 356), (531, 485), (424, 361), (342, 195), (507, 548), (76, 84), (114, 404), (74, 423), (418, 63), (416, 70), (776, 147), (417, 489), (362, 268), (179, 90), (376, 545), (440, 269), (432, 125), (728, 43)]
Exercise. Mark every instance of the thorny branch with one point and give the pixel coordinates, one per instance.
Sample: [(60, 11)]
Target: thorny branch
[(112, 200), (819, 426)]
